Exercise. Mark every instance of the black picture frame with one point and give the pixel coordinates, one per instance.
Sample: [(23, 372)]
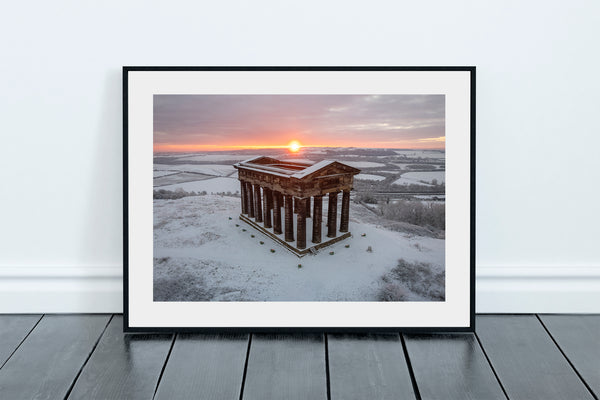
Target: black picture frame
[(128, 197)]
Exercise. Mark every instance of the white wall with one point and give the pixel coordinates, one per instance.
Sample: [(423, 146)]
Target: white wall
[(538, 99)]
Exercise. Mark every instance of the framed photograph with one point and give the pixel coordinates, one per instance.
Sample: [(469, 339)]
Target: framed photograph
[(262, 199)]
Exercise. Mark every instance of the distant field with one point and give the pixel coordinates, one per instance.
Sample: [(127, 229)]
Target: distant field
[(369, 177), (178, 177), (422, 153), (420, 177), (206, 169), (158, 174), (212, 185), (214, 172), (194, 177), (364, 164), (216, 157)]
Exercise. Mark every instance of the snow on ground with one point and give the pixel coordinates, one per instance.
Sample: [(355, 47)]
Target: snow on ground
[(369, 177), (204, 252), (213, 185), (363, 164), (158, 174), (404, 166), (433, 197), (418, 177), (178, 177), (217, 157), (422, 153), (206, 169)]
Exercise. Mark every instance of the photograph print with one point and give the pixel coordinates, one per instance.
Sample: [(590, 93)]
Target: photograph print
[(299, 198), (262, 199)]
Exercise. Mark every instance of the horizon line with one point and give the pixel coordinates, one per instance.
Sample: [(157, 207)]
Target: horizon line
[(217, 148)]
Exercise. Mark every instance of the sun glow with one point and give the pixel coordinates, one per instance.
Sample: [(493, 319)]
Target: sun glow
[(294, 146)]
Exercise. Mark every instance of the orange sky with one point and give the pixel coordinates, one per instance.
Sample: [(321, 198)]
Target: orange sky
[(178, 148), (187, 123)]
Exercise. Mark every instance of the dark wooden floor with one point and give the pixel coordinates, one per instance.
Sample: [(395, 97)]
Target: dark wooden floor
[(510, 356)]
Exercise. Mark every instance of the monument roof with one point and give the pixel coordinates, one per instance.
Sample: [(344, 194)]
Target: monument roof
[(297, 169)]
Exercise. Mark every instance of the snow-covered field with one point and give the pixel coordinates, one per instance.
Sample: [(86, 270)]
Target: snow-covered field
[(422, 153), (211, 178), (206, 169), (203, 252), (158, 174), (212, 185), (418, 177), (364, 164), (216, 157), (369, 177)]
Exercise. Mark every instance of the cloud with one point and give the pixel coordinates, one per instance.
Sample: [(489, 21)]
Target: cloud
[(435, 139), (312, 119)]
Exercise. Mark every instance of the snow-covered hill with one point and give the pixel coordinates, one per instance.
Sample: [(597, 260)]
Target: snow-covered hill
[(203, 252)]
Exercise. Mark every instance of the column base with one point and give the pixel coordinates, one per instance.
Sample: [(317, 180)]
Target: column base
[(286, 245)]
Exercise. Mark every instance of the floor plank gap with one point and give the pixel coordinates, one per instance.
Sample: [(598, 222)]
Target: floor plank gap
[(526, 360), (246, 366), (286, 366), (207, 365), (87, 359), (162, 371), (48, 363), (327, 375), (410, 368), (491, 366), (21, 342), (566, 358)]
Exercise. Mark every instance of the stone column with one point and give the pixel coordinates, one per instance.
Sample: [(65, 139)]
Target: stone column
[(289, 215), (267, 199), (257, 204), (276, 212), (295, 201), (307, 207), (301, 224), (345, 211), (271, 196), (243, 196), (332, 215), (317, 217), (250, 194)]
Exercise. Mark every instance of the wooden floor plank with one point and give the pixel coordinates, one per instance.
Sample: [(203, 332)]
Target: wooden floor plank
[(13, 329), (526, 360), (286, 367), (204, 367), (451, 367), (579, 338), (123, 366), (368, 367), (46, 364)]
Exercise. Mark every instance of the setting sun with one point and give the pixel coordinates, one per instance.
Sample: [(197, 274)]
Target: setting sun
[(294, 146)]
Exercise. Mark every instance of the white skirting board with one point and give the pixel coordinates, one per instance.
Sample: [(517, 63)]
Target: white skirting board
[(499, 289), (518, 290), (52, 289)]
